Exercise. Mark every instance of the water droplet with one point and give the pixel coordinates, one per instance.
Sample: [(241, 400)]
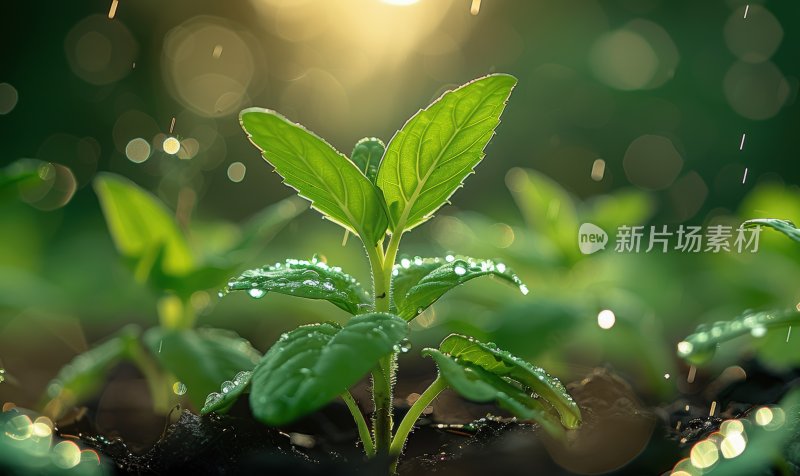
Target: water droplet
[(2, 375), (403, 347), (419, 310), (311, 282), (395, 272), (759, 331), (460, 270), (449, 258), (328, 285), (179, 388), (405, 262), (305, 371), (501, 268), (523, 289), (212, 399), (685, 348), (227, 386), (256, 293), (241, 377), (310, 274)]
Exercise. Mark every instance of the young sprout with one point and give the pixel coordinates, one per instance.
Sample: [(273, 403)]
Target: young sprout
[(377, 195)]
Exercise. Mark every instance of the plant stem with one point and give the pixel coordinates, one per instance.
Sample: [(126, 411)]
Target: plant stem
[(382, 397), (407, 424), (363, 429)]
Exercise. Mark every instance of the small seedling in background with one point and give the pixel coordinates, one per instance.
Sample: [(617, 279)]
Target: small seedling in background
[(375, 195), (700, 346), (174, 356)]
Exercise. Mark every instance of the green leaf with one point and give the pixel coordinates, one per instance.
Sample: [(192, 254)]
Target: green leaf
[(468, 351), (428, 159), (784, 226), (476, 384), (319, 173), (201, 359), (309, 279), (310, 366), (143, 230), (419, 282), (84, 375), (699, 347), (229, 392), (367, 156)]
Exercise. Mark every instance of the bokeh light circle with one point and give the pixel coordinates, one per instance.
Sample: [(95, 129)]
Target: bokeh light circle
[(753, 39), (8, 98), (756, 91), (100, 51), (652, 162)]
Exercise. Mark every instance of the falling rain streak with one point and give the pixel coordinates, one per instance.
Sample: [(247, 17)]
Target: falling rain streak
[(475, 8), (112, 11)]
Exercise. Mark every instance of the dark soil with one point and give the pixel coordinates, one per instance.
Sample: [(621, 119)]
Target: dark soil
[(618, 436)]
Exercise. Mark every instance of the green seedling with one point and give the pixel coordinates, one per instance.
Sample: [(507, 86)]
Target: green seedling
[(700, 346), (175, 357), (379, 194)]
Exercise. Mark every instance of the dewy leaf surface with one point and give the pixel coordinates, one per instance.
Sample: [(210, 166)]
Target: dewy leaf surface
[(476, 384), (503, 364), (367, 155), (419, 282), (428, 159), (201, 359), (310, 366), (700, 346), (319, 173), (141, 226), (308, 279), (784, 226)]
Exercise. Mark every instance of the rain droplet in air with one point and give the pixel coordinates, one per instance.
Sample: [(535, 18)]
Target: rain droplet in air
[(179, 388)]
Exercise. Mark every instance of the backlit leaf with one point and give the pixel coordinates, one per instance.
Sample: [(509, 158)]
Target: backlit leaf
[(784, 226), (428, 159), (419, 282), (319, 173), (143, 230)]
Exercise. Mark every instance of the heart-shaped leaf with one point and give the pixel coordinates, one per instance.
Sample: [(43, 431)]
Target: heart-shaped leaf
[(201, 359), (310, 366), (699, 347), (309, 279), (468, 352), (83, 376), (144, 231), (367, 156), (419, 282), (784, 226), (428, 159), (319, 173)]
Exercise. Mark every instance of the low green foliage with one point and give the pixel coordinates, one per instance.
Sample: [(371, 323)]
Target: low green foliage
[(380, 194)]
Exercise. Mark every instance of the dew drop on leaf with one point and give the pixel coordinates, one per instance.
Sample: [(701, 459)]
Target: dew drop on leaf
[(501, 267), (227, 386), (523, 289), (212, 399), (460, 270), (256, 293)]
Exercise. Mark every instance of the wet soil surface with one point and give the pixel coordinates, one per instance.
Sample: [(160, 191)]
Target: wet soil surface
[(619, 436)]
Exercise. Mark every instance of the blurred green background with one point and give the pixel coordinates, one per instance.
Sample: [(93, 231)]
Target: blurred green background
[(627, 112)]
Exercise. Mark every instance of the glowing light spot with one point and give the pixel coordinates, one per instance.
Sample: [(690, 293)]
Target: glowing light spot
[(460, 270), (704, 454), (666, 376), (475, 8), (217, 52), (137, 150), (8, 98), (759, 331), (524, 289), (733, 445), (19, 428), (66, 455), (90, 456), (405, 262), (171, 145), (42, 427), (179, 388), (729, 427), (236, 172), (598, 170), (764, 416), (685, 348), (606, 319)]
